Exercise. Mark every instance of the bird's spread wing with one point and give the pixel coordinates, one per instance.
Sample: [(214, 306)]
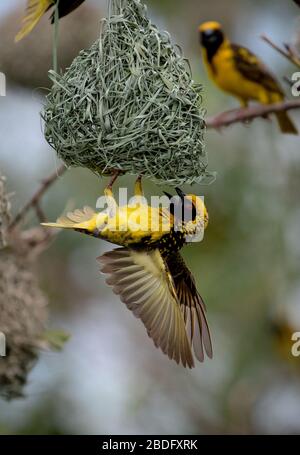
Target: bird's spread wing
[(66, 7), (34, 11), (142, 281), (253, 69), (192, 306)]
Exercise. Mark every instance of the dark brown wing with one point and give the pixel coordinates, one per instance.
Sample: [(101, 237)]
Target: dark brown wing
[(254, 70), (144, 284), (65, 7), (192, 306)]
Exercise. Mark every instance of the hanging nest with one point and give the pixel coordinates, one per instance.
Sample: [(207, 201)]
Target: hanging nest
[(23, 315), (128, 103), (23, 305)]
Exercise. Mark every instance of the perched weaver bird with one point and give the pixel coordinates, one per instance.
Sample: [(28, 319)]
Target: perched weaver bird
[(37, 8), (239, 72), (148, 272)]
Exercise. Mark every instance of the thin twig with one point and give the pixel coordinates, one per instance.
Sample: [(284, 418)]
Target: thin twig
[(289, 54), (249, 113), (34, 201), (39, 212), (288, 81)]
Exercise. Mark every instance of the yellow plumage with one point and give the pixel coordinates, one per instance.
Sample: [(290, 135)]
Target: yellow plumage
[(148, 273), (35, 10), (237, 71), (126, 225)]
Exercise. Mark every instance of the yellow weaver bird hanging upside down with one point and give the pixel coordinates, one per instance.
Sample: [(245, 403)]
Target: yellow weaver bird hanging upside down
[(37, 8), (148, 272), (239, 72)]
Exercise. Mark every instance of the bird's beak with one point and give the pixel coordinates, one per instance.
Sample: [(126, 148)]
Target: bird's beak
[(180, 193), (168, 195)]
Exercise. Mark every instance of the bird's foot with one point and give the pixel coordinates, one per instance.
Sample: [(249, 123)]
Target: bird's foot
[(108, 189), (138, 189)]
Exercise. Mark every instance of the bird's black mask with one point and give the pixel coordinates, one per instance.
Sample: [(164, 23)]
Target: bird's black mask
[(211, 40)]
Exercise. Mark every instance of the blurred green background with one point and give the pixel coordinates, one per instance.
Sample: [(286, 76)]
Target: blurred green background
[(110, 379)]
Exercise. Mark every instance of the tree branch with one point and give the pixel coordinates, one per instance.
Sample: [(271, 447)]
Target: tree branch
[(288, 52), (34, 201), (249, 113)]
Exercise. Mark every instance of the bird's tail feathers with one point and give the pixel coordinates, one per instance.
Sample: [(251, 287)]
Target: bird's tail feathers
[(285, 123), (34, 11), (79, 219)]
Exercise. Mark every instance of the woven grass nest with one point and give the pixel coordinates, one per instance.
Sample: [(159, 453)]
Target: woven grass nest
[(129, 103)]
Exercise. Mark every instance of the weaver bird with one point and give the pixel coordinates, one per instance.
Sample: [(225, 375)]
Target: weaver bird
[(148, 272), (239, 72), (37, 8)]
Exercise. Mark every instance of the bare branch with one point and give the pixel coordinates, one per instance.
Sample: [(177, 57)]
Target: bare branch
[(249, 113), (288, 52), (34, 201), (39, 212)]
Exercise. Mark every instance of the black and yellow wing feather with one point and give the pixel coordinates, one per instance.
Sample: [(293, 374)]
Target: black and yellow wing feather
[(162, 293), (253, 69), (192, 306), (144, 284)]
